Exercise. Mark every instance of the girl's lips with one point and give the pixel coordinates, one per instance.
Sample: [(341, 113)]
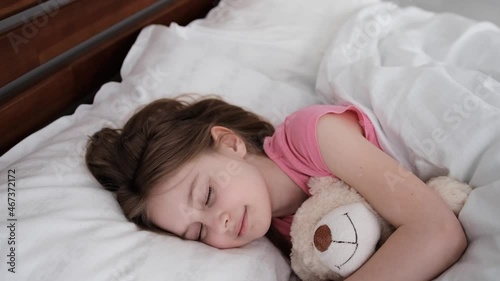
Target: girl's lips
[(243, 223)]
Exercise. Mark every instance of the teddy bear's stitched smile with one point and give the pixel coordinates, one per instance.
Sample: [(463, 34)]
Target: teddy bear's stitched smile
[(323, 239)]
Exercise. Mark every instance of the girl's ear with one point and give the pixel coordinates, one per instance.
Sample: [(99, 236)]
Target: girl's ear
[(227, 141)]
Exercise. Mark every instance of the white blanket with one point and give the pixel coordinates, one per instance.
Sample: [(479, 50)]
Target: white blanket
[(430, 84)]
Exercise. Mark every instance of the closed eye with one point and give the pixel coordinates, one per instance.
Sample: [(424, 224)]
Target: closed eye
[(209, 195), (207, 201)]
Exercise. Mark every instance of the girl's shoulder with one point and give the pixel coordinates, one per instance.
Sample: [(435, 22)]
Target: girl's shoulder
[(320, 109), (307, 117), (301, 126), (299, 129)]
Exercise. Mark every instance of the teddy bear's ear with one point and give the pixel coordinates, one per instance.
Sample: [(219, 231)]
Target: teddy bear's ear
[(318, 184)]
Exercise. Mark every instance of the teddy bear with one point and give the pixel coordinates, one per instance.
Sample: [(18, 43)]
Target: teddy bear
[(335, 230)]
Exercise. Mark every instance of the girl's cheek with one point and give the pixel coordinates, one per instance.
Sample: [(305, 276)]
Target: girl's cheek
[(214, 243), (187, 213)]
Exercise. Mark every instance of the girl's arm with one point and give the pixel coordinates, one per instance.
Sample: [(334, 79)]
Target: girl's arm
[(428, 237)]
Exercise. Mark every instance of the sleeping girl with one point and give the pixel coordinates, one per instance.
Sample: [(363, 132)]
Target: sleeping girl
[(213, 172)]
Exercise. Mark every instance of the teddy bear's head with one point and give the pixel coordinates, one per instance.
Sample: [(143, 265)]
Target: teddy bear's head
[(335, 231), (338, 220)]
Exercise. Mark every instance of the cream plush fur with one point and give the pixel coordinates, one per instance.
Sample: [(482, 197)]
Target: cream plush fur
[(351, 220)]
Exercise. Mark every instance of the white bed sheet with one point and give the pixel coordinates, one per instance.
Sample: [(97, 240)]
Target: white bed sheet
[(480, 10)]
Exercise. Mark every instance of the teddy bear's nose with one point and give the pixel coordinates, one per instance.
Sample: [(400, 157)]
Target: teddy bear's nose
[(322, 238)]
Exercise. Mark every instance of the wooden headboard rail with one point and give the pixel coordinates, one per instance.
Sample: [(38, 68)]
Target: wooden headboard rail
[(76, 51)]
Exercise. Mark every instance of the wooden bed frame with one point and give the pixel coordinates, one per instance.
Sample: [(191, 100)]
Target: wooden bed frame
[(56, 56)]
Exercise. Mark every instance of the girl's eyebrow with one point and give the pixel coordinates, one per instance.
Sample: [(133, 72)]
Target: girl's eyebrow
[(190, 200), (191, 188)]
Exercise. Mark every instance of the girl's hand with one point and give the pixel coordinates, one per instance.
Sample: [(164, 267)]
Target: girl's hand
[(428, 239)]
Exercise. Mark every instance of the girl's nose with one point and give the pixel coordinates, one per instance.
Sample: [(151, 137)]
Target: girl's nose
[(224, 222), (221, 222)]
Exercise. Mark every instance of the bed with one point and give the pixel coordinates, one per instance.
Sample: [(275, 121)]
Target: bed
[(85, 68)]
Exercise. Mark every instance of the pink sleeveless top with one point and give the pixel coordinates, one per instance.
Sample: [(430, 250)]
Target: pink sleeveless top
[(294, 148)]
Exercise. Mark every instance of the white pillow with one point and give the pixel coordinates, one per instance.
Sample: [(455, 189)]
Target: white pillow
[(283, 39), (260, 54)]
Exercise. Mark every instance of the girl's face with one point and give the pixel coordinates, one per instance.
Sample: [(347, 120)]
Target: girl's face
[(220, 198)]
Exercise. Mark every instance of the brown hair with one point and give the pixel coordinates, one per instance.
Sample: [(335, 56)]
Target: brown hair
[(159, 139)]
